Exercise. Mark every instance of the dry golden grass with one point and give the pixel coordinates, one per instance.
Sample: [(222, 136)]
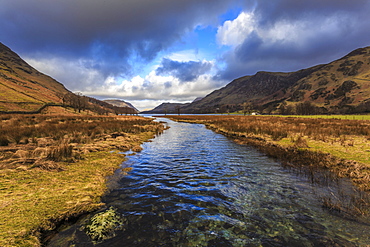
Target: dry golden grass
[(55, 167), (340, 145)]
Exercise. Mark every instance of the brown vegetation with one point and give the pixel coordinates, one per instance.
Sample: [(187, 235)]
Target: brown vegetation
[(342, 146), (310, 146), (43, 138), (339, 87), (55, 167)]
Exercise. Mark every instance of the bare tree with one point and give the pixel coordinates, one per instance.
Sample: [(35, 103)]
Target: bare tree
[(247, 108), (178, 109)]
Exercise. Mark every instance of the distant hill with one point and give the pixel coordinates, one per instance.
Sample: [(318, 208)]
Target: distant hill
[(166, 108), (342, 86), (121, 103), (23, 88)]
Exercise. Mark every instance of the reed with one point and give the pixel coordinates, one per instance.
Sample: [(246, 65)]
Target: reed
[(55, 167), (341, 145), (323, 150)]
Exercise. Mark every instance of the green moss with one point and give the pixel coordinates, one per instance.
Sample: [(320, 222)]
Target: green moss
[(36, 198), (104, 225), (38, 192)]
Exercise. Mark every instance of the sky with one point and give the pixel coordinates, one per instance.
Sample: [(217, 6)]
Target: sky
[(148, 52)]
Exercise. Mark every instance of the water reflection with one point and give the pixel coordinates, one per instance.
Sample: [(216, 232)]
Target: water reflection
[(192, 187)]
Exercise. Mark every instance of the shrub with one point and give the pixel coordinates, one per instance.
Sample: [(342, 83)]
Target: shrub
[(62, 152), (300, 142), (4, 140)]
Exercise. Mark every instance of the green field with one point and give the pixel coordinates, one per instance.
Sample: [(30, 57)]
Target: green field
[(348, 117)]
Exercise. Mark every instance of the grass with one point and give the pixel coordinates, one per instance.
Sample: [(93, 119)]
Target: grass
[(55, 167), (36, 199), (340, 145), (322, 149), (343, 117)]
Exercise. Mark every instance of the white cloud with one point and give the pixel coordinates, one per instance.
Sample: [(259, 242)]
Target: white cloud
[(154, 87), (188, 55), (75, 75), (297, 32), (301, 32), (143, 92), (183, 56), (150, 91), (234, 32)]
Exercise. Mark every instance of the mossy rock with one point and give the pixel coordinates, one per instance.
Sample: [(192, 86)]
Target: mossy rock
[(104, 225)]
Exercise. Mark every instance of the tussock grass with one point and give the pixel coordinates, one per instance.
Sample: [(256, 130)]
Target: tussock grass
[(340, 145), (343, 117), (54, 167), (310, 145)]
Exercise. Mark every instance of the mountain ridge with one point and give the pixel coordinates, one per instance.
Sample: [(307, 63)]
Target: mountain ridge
[(166, 108), (23, 89), (121, 103), (341, 86)]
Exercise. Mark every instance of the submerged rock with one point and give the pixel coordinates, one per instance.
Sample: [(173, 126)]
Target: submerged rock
[(104, 225)]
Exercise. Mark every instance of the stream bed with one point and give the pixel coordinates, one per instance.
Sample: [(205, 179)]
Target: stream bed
[(193, 187)]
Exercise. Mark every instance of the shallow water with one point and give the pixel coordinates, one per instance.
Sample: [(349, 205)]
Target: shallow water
[(193, 187)]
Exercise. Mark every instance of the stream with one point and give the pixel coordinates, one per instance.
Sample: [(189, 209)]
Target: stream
[(193, 187)]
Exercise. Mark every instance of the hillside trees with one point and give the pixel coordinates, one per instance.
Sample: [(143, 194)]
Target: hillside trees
[(77, 101), (247, 108), (306, 108)]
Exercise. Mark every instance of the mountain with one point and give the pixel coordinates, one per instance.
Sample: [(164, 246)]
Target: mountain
[(166, 108), (342, 86), (170, 108), (121, 103), (23, 88)]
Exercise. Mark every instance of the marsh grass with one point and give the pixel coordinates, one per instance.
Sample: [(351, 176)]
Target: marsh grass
[(54, 167), (349, 139), (65, 137), (63, 152), (339, 145)]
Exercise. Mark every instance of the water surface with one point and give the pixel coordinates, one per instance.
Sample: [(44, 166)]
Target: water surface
[(193, 187)]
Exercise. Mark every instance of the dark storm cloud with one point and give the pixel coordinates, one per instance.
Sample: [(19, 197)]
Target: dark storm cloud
[(325, 30), (271, 11), (184, 71), (105, 32)]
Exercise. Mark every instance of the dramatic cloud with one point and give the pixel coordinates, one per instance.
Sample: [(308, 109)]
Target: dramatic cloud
[(147, 51), (236, 31), (114, 33), (184, 71), (148, 91), (287, 35)]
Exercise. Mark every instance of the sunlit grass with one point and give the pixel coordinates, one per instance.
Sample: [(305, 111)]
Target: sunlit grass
[(33, 199), (354, 148), (287, 138), (343, 117), (55, 167)]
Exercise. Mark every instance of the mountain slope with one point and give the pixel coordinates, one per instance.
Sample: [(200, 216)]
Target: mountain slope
[(166, 108), (23, 88), (121, 103), (340, 86)]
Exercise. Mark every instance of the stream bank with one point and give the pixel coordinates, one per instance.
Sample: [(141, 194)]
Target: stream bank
[(191, 186), (297, 155), (58, 168)]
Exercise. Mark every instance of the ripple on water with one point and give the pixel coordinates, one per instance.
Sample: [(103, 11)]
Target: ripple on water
[(192, 187)]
